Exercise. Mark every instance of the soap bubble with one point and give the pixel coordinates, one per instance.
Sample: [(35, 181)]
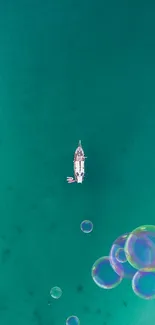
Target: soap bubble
[(72, 320), (86, 226), (122, 268), (140, 248), (104, 275), (56, 292), (143, 284), (120, 255)]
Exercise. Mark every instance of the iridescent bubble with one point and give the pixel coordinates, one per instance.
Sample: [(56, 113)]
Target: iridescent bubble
[(56, 292), (120, 255), (125, 270), (143, 284), (72, 320), (140, 248), (86, 226), (104, 275)]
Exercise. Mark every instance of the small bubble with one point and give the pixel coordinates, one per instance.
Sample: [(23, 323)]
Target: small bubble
[(72, 320), (56, 292), (86, 226)]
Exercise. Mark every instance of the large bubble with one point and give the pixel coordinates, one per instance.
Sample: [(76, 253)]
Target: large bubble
[(118, 258), (72, 320), (140, 248), (104, 275), (143, 284), (56, 292), (86, 226)]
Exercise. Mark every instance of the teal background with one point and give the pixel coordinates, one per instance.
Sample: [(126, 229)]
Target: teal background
[(73, 70)]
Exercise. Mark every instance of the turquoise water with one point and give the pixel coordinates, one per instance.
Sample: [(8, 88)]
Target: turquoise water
[(69, 71)]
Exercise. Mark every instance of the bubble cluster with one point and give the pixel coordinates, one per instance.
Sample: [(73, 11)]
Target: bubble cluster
[(118, 258), (140, 248), (56, 292), (132, 256), (143, 284), (104, 275), (86, 226), (72, 320)]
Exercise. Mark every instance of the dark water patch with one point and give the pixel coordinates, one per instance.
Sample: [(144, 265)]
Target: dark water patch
[(9, 188), (3, 237), (31, 293), (86, 309), (19, 229), (4, 305), (123, 150), (52, 226), (3, 308), (108, 314), (50, 191), (98, 311), (33, 206), (73, 108), (6, 253), (80, 288), (37, 319), (124, 303), (29, 296)]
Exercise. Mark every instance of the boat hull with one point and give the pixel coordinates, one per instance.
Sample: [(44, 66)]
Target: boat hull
[(79, 164)]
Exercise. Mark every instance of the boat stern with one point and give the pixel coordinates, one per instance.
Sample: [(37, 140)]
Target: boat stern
[(79, 179)]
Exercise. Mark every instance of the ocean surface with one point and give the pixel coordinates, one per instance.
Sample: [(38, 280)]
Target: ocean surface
[(73, 70)]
